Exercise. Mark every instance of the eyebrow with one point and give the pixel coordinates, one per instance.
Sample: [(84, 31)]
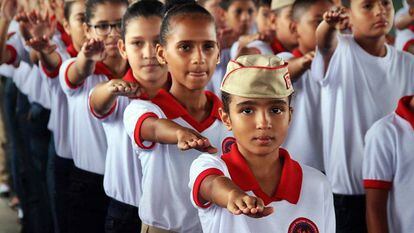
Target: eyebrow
[(192, 41), (107, 22)]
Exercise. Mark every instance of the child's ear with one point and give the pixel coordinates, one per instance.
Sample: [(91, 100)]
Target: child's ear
[(66, 26), (225, 118), (290, 114), (160, 53), (122, 50), (87, 30)]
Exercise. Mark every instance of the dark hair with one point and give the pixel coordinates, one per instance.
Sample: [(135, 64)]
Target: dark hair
[(67, 9), (225, 4), (143, 8), (346, 3), (226, 99), (176, 8), (90, 6), (265, 3), (300, 7)]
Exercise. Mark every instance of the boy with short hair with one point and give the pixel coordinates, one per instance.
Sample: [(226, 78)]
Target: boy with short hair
[(388, 170), (304, 139), (281, 19), (362, 77), (255, 177)]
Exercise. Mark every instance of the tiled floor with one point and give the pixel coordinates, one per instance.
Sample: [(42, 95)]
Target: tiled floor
[(8, 218)]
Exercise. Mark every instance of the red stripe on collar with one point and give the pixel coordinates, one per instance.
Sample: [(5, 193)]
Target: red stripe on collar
[(173, 109), (277, 47), (101, 68), (71, 50), (403, 110), (67, 40), (129, 77), (290, 184), (411, 27), (297, 53)]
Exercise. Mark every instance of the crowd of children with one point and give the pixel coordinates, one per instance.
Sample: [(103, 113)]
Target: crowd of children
[(215, 116)]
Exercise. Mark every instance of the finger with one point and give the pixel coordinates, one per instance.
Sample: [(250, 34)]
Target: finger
[(267, 211), (240, 204), (259, 205), (234, 209), (250, 202), (192, 143), (211, 150)]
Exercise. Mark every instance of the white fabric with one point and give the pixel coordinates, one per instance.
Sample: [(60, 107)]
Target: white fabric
[(402, 36), (87, 136), (304, 139), (262, 46), (315, 203), (389, 157), (357, 90), (165, 201), (123, 173)]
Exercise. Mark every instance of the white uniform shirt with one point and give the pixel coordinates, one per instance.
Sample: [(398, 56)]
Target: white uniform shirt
[(261, 47), (123, 173), (389, 164), (357, 90), (303, 201), (87, 135), (404, 38), (165, 202), (304, 139)]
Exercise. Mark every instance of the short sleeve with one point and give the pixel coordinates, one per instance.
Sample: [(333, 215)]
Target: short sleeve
[(106, 116), (202, 167), (378, 161), (134, 115), (67, 87), (285, 55)]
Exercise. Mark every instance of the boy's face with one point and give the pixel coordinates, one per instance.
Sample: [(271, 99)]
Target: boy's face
[(213, 6), (141, 37), (307, 24), (263, 19), (191, 52), (371, 18), (240, 16), (283, 22), (260, 126)]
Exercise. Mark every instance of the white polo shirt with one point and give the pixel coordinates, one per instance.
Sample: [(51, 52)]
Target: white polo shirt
[(59, 114), (303, 201), (357, 90), (87, 135), (261, 47), (304, 138), (165, 201), (404, 38), (389, 162), (123, 173)]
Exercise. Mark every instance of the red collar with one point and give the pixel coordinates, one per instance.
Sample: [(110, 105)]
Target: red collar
[(290, 182), (101, 68), (297, 53), (277, 47), (67, 40), (411, 27), (403, 109), (173, 109), (71, 50), (129, 77)]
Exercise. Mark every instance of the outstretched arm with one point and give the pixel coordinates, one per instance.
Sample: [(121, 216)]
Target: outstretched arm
[(8, 11)]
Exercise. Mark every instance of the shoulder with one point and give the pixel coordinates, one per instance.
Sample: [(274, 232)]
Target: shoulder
[(383, 128)]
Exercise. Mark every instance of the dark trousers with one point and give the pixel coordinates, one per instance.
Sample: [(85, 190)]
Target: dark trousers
[(122, 218), (88, 202), (350, 213), (62, 170)]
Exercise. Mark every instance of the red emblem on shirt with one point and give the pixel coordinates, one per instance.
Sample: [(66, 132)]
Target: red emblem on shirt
[(287, 80), (303, 225), (226, 145)]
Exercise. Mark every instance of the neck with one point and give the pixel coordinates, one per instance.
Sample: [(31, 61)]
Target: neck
[(77, 47), (303, 49), (116, 65), (195, 101), (152, 87), (285, 45), (374, 46)]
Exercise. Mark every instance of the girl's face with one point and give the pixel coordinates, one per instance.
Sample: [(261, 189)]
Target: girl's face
[(240, 16), (141, 38), (106, 25), (73, 26), (191, 51)]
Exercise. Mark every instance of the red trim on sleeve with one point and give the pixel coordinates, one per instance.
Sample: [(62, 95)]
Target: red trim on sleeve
[(197, 185), (137, 131), (112, 110), (54, 73), (13, 54), (71, 85), (377, 184), (408, 44)]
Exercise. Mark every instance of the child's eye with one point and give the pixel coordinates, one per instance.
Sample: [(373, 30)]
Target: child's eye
[(250, 11), (209, 46), (367, 6), (103, 26), (246, 111), (386, 3), (184, 47), (138, 43), (277, 110)]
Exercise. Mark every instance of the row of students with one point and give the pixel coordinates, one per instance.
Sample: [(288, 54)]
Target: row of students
[(190, 76)]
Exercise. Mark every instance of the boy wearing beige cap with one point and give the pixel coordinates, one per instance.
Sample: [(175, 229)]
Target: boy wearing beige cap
[(281, 19), (262, 188)]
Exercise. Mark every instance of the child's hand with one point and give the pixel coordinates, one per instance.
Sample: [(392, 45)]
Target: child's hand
[(35, 25), (241, 203), (122, 88), (335, 17), (94, 50), (8, 9), (190, 139), (42, 45), (247, 39), (307, 59)]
